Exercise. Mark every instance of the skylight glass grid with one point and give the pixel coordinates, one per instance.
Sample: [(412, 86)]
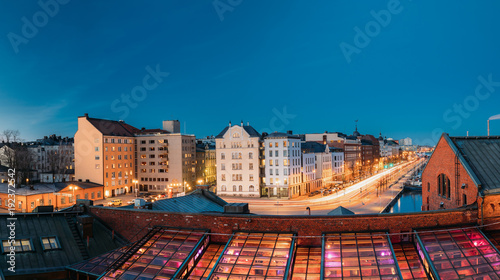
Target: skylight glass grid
[(256, 256), (359, 256), (461, 254)]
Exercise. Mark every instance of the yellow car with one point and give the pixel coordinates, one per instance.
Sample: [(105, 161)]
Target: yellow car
[(115, 202)]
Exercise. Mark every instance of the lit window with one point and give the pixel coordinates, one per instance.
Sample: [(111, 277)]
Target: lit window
[(50, 243), (20, 245)]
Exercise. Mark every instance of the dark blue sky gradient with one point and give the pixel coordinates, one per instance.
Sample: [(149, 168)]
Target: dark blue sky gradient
[(263, 57)]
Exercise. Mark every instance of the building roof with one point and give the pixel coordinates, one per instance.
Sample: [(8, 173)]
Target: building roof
[(153, 130), (336, 150), (483, 157), (312, 147), (281, 135), (62, 226), (340, 211), (46, 188), (113, 128), (248, 128), (198, 201)]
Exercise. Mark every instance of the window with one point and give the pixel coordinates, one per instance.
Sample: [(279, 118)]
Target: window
[(20, 245), (98, 194), (250, 155), (276, 153), (234, 188), (92, 195), (251, 177), (428, 187), (240, 188), (50, 243), (464, 199), (250, 166), (251, 188), (223, 188), (223, 177), (222, 166), (222, 156), (444, 186)]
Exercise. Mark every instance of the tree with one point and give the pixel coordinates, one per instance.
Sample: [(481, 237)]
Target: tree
[(57, 160), (10, 135), (17, 155)]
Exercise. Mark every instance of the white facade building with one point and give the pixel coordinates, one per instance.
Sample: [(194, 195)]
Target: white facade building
[(282, 164), (337, 163), (237, 157)]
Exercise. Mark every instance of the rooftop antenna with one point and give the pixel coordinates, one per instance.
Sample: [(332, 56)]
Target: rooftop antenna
[(496, 117)]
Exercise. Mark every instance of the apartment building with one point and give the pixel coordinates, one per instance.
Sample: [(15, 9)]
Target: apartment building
[(53, 159), (237, 158), (282, 164), (104, 154), (337, 164), (166, 159), (206, 169)]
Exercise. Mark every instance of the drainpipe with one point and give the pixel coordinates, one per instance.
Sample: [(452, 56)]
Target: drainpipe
[(482, 208)]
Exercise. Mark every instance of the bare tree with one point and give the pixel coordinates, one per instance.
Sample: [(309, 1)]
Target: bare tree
[(58, 161), (10, 136)]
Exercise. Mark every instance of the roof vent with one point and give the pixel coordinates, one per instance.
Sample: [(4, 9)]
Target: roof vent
[(87, 180), (236, 208)]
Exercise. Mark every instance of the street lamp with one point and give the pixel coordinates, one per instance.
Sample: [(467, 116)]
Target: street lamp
[(135, 182), (73, 188)]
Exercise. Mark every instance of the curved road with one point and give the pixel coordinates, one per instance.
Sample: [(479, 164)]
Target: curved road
[(361, 198)]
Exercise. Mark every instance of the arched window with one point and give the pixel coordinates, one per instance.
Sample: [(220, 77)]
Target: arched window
[(234, 188), (223, 188), (240, 188), (251, 188), (444, 186)]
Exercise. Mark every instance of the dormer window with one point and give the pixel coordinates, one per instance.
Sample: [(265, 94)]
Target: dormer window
[(50, 243)]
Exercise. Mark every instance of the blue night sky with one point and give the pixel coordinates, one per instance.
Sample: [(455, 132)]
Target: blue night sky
[(431, 67)]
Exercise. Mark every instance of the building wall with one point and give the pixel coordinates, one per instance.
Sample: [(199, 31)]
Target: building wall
[(62, 199), (237, 141), (88, 161), (284, 153), (127, 222), (165, 161), (443, 161), (338, 165), (118, 165)]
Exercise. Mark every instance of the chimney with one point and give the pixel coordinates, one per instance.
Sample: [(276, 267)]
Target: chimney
[(248, 123), (241, 122), (84, 224), (289, 132), (229, 123), (86, 115), (488, 127)]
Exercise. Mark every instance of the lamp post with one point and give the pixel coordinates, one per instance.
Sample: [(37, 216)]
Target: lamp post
[(135, 182), (73, 188)]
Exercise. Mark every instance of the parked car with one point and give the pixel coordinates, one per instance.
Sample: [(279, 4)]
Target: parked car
[(115, 202), (132, 201)]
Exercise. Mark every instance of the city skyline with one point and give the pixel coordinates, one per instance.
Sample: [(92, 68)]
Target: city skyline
[(302, 67)]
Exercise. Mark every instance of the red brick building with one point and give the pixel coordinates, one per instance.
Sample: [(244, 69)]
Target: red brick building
[(462, 171)]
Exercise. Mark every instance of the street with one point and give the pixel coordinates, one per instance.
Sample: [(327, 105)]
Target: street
[(361, 198)]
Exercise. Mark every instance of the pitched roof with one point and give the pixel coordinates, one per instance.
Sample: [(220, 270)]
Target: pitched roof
[(340, 211), (312, 147), (61, 225), (248, 128), (198, 201), (483, 157), (113, 128)]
